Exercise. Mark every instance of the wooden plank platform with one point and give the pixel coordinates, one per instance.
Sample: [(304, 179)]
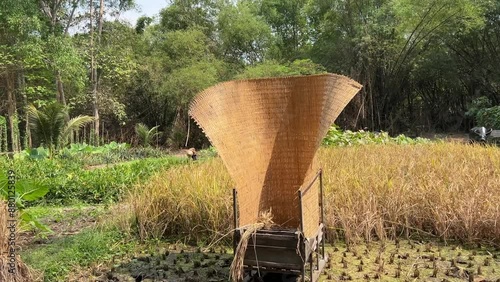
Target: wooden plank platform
[(284, 251)]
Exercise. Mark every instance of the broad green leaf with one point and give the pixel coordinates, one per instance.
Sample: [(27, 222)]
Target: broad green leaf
[(28, 218), (30, 190), (3, 186)]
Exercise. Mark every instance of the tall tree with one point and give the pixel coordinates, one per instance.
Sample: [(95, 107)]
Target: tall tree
[(477, 53), (245, 36), (60, 15), (174, 67), (185, 14), (380, 43), (95, 42), (93, 68), (288, 22), (20, 52)]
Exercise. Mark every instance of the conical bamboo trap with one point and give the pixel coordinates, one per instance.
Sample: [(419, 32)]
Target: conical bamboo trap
[(267, 132)]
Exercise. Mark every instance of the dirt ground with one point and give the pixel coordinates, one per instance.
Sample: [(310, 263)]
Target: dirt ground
[(63, 222)]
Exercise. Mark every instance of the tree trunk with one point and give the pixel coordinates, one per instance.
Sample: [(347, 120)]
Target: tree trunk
[(96, 112), (60, 89), (96, 77), (101, 14), (93, 75), (27, 132), (29, 141), (12, 111), (71, 15), (188, 130)]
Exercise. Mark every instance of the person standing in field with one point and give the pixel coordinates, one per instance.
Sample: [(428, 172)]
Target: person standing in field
[(191, 153)]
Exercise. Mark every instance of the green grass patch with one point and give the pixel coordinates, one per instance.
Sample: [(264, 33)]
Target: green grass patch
[(60, 256), (71, 181)]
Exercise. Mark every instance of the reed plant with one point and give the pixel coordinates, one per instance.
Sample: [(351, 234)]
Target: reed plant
[(442, 190)]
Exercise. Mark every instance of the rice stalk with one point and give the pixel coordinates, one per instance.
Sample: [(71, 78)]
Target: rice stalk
[(192, 201), (448, 191)]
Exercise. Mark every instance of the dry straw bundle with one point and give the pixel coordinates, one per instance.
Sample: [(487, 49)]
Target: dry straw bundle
[(22, 273), (265, 222), (267, 132)]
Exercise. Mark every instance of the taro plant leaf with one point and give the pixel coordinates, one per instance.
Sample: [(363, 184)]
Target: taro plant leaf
[(26, 190), (37, 153), (29, 219), (30, 190), (3, 186)]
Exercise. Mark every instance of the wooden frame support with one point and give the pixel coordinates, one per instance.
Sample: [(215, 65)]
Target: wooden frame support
[(285, 251)]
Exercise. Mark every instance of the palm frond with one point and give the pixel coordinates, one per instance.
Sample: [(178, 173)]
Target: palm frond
[(47, 123), (146, 135), (143, 133), (153, 132), (73, 125)]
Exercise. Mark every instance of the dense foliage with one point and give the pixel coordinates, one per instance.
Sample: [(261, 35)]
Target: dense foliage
[(337, 137), (421, 63), (87, 174), (484, 113)]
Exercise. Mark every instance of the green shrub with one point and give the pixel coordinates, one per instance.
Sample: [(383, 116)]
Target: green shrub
[(85, 154), (484, 113), (70, 180), (337, 137)]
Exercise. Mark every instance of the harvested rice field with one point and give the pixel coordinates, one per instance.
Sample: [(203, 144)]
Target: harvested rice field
[(400, 260)]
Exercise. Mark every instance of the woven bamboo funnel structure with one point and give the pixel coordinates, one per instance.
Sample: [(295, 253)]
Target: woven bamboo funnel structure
[(267, 132)]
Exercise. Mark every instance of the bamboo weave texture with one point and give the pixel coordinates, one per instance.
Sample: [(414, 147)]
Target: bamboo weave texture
[(267, 132)]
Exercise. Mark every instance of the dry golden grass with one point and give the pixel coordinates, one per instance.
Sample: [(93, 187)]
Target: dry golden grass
[(446, 190), (22, 272), (191, 201), (449, 190)]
